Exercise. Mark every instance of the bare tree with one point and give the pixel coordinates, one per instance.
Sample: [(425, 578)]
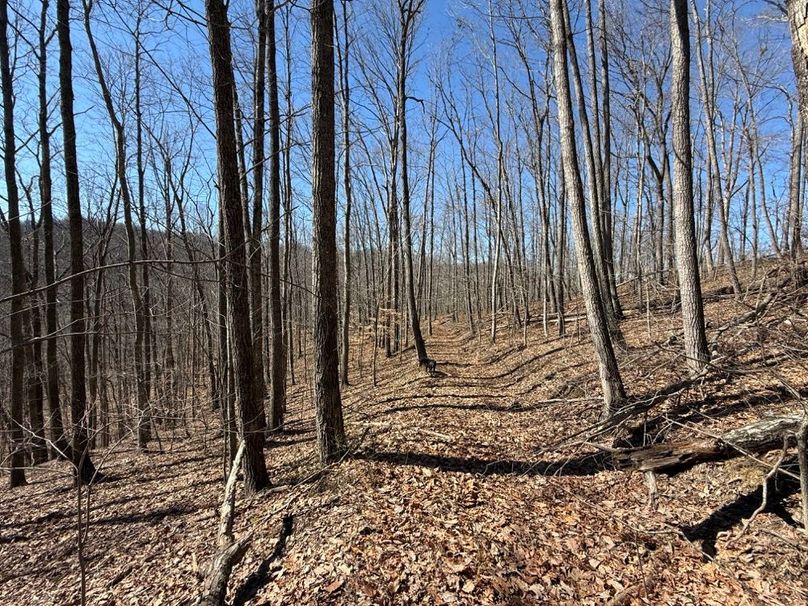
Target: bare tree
[(136, 294), (240, 340), (277, 346), (343, 47), (60, 448), (408, 13), (327, 401), (684, 227), (798, 21), (16, 327), (80, 447), (612, 384)]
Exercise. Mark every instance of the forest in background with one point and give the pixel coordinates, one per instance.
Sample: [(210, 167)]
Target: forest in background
[(217, 214)]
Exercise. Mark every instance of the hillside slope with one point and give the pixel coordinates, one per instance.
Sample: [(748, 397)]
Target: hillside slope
[(475, 486)]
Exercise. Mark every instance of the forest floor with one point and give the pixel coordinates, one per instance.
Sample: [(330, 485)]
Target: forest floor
[(456, 490)]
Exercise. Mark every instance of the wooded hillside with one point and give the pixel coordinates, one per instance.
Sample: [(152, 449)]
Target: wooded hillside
[(403, 302)]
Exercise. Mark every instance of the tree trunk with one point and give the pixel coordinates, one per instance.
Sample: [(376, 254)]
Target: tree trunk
[(594, 192), (16, 328), (685, 232), (409, 12), (85, 470), (255, 226), (327, 402), (277, 346), (253, 422), (59, 444), (798, 22), (136, 294), (795, 189), (673, 458), (344, 61), (613, 393)]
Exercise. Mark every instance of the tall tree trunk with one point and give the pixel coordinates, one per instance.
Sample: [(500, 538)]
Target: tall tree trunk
[(60, 448), (327, 401), (795, 189), (798, 22), (136, 294), (594, 191), (144, 425), (684, 229), (85, 470), (344, 49), (262, 9), (16, 327), (36, 370), (606, 164), (612, 384), (253, 421), (561, 249), (409, 12), (277, 346), (708, 96)]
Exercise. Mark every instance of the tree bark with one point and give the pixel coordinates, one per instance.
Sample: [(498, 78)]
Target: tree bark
[(85, 470), (277, 346), (263, 8), (16, 328), (798, 21), (327, 401), (612, 384), (684, 229), (673, 458), (409, 10), (60, 448), (344, 49), (251, 411)]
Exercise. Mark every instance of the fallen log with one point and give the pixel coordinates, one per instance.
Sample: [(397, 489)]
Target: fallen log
[(672, 458), (230, 551)]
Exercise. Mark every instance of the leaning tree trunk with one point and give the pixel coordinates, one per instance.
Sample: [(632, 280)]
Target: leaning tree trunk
[(327, 402), (253, 422), (613, 392), (685, 232)]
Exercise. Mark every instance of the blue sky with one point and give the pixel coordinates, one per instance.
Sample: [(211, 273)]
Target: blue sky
[(182, 52)]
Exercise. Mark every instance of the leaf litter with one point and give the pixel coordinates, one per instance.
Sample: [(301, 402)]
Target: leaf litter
[(456, 490)]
